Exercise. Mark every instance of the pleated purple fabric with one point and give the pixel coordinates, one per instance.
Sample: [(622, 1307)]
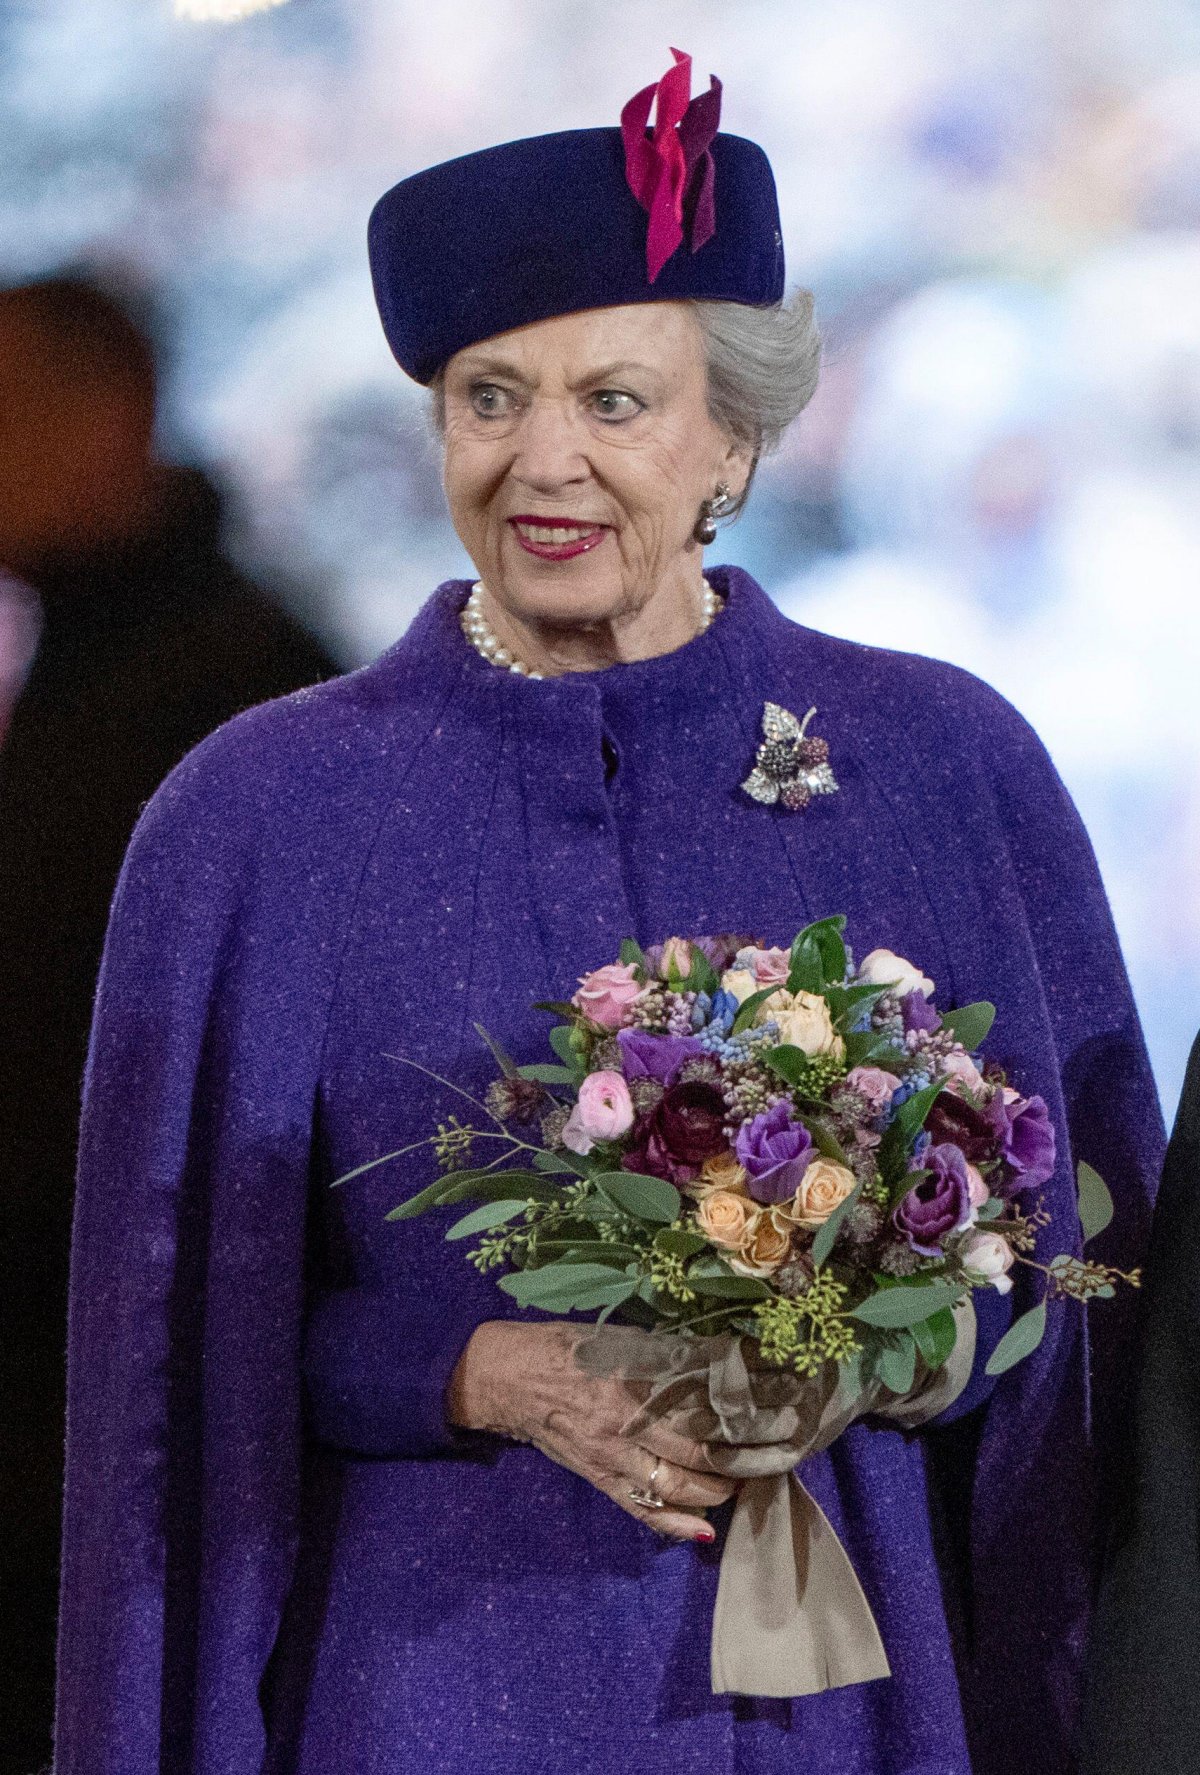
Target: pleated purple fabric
[(279, 1558)]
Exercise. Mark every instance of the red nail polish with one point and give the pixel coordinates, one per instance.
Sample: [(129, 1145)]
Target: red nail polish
[(706, 1535)]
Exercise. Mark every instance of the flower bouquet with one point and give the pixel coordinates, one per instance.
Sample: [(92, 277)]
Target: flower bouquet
[(800, 1170)]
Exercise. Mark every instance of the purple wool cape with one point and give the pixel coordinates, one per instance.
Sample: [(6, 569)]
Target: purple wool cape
[(279, 1559)]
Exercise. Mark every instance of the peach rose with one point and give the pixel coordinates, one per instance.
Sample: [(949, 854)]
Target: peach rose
[(725, 1218), (824, 1185), (721, 1171), (767, 1243), (606, 994)]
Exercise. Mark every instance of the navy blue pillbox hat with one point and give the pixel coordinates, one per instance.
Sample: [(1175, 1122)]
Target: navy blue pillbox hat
[(550, 225)]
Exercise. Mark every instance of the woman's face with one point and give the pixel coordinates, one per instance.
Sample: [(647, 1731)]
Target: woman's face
[(577, 452)]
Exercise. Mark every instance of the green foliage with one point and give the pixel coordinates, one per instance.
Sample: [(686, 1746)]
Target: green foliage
[(702, 976), (632, 951), (898, 1364), (649, 1198), (1095, 1202), (789, 1062), (936, 1337), (1019, 1341), (870, 1047), (569, 1288), (912, 1114), (971, 1024), (557, 1163), (563, 1043), (483, 1186), (562, 1007), (892, 1308), (679, 1241), (729, 1286), (749, 1006), (818, 956), (827, 1232), (545, 1074), (481, 1220)]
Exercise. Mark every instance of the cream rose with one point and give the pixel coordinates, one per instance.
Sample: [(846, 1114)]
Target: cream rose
[(804, 1022), (740, 983), (987, 1258), (766, 1244), (884, 968), (823, 1187), (726, 1218)]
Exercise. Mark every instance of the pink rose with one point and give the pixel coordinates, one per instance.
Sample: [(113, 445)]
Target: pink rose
[(873, 1083), (605, 1108), (771, 966), (961, 1074), (606, 995), (987, 1258), (979, 1189)]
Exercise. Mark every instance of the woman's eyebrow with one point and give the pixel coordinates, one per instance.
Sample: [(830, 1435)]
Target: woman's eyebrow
[(473, 367)]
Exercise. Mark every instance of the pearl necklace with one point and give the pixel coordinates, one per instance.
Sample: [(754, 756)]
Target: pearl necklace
[(485, 641)]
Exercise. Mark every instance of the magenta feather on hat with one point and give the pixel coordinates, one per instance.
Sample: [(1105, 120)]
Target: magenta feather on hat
[(671, 170)]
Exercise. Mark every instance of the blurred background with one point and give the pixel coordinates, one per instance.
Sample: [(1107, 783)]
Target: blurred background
[(997, 207), (223, 486)]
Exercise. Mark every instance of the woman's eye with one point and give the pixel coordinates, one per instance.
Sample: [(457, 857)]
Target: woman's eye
[(614, 403), (490, 401)]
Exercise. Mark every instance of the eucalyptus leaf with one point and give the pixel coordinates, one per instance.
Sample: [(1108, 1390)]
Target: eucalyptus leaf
[(576, 1251), (569, 1287), (678, 1242), (650, 1198), (828, 1231), (729, 1287), (500, 1055), (992, 1209), (936, 1337), (1019, 1341), (971, 1024), (483, 1186), (1095, 1201), (557, 1163), (894, 1307), (560, 1041), (898, 1365), (480, 1220), (546, 1074)]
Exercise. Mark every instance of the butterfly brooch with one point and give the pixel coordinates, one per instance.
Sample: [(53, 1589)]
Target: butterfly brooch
[(789, 768)]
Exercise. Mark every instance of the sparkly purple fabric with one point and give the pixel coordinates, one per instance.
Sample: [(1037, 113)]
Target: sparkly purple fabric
[(256, 1583)]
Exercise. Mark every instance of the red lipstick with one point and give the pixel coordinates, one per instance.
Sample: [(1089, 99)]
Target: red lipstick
[(535, 535)]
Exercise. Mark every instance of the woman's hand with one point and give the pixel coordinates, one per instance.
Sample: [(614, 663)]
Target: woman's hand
[(522, 1381)]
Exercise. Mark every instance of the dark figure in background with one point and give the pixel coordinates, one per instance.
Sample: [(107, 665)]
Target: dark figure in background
[(148, 640), (1143, 1703)]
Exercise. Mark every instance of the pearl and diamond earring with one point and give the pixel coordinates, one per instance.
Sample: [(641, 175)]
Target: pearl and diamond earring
[(710, 510)]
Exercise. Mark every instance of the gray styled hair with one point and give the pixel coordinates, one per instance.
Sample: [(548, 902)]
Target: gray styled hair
[(763, 365)]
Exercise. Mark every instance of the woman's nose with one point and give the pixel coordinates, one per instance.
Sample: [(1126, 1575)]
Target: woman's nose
[(549, 450)]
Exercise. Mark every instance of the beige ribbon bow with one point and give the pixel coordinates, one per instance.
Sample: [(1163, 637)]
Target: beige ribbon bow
[(790, 1617)]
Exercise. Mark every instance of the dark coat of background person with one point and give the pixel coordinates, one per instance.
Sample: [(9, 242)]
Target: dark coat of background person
[(150, 640), (1143, 1702)]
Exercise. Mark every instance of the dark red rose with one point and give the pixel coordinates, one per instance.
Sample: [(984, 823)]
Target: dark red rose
[(673, 1139), (953, 1122)]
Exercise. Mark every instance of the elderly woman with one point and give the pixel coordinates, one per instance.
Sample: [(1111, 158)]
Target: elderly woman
[(334, 1501)]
